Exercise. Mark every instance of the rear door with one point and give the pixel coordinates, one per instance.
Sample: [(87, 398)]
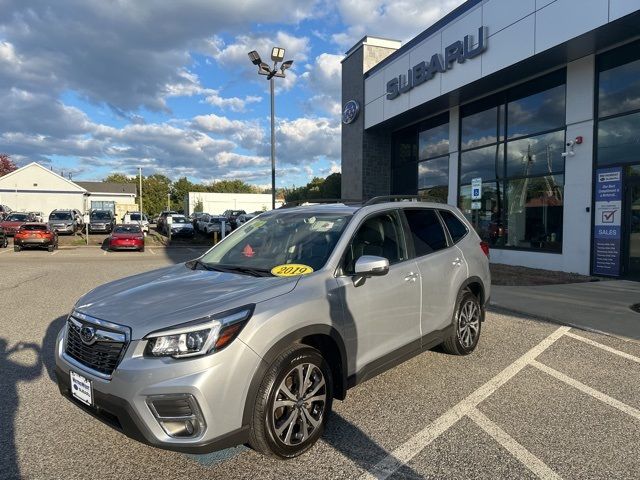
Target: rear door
[(440, 264), (383, 315)]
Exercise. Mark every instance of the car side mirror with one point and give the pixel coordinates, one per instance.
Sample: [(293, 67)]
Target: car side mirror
[(369, 266)]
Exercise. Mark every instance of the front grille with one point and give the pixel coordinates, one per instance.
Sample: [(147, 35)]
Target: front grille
[(102, 356)]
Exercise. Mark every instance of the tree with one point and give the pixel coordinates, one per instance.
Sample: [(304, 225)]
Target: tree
[(6, 164), (231, 186), (318, 188)]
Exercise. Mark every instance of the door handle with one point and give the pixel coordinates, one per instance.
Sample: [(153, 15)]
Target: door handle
[(411, 277), (457, 262)]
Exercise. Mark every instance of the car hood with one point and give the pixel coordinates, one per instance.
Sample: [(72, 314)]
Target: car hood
[(169, 296)]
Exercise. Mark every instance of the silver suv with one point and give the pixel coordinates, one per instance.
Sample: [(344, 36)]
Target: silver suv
[(251, 342)]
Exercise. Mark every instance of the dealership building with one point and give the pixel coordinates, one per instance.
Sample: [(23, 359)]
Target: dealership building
[(525, 114)]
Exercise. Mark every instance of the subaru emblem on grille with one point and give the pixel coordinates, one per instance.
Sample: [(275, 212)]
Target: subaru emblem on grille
[(88, 335)]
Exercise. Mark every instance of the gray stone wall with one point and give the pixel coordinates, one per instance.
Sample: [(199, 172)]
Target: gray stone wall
[(366, 156)]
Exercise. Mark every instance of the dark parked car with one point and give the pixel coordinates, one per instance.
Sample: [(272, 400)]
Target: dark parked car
[(12, 222), (35, 235), (232, 216), (4, 241), (101, 221), (127, 237)]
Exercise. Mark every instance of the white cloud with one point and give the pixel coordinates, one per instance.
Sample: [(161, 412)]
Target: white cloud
[(399, 19)]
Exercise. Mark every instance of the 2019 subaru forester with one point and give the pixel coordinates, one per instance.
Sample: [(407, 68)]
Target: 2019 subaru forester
[(251, 342)]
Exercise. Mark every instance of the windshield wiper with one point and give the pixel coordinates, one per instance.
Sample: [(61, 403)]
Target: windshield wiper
[(193, 265), (256, 272)]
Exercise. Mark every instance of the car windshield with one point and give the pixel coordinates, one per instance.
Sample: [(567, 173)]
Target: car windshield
[(100, 216), (180, 220), (33, 227), (127, 229), (60, 216), (280, 238), (17, 217)]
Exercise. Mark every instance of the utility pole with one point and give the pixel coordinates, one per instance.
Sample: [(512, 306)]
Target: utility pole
[(140, 192), (273, 146)]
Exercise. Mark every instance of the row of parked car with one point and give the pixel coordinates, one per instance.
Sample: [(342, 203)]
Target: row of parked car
[(208, 223)]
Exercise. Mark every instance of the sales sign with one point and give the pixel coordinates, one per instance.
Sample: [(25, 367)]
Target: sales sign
[(607, 223)]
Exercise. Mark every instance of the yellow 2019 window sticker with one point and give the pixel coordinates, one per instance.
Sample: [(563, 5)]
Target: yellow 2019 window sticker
[(291, 270)]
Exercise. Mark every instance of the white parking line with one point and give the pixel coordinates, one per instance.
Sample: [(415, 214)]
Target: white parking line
[(604, 347), (152, 252), (603, 397), (55, 252), (5, 251), (408, 450), (104, 252), (528, 459)]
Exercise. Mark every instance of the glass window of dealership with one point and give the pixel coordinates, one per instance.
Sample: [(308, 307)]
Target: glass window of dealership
[(513, 144)]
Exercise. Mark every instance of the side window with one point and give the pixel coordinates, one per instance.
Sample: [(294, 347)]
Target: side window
[(426, 231), (456, 228), (381, 236)]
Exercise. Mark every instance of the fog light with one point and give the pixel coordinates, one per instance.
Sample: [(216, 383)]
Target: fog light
[(178, 414)]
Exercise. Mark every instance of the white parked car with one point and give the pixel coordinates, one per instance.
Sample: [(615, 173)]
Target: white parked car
[(137, 217)]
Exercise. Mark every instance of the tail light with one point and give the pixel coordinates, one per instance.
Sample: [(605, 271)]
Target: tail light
[(485, 248)]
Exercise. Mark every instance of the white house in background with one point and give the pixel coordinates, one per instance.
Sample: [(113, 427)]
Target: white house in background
[(217, 203), (34, 188)]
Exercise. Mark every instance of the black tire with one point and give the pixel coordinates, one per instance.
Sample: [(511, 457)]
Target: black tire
[(458, 343), (50, 248), (16, 248), (142, 249), (262, 435)]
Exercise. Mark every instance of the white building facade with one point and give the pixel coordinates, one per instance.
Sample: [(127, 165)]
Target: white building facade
[(525, 114), (217, 203), (34, 188)]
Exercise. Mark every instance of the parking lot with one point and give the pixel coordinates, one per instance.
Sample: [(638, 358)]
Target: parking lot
[(535, 400)]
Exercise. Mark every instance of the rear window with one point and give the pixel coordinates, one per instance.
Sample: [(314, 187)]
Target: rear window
[(33, 227), (17, 217), (127, 229), (456, 228), (426, 231)]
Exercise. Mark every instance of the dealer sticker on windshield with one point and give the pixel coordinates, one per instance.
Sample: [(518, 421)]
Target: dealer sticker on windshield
[(291, 270)]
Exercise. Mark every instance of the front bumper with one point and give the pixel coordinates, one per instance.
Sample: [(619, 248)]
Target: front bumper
[(62, 229), (218, 382), (99, 228)]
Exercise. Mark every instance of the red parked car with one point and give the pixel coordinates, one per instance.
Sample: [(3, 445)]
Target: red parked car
[(12, 222), (126, 237), (35, 235)]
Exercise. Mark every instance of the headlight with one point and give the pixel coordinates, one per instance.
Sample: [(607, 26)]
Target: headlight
[(203, 336)]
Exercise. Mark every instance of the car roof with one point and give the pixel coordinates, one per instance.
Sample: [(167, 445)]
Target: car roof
[(352, 208)]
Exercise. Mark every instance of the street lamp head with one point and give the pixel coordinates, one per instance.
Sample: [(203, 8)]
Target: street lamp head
[(255, 57), (286, 65), (277, 54), (264, 69)]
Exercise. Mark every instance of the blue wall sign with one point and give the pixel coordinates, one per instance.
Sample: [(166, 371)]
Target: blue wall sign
[(607, 225)]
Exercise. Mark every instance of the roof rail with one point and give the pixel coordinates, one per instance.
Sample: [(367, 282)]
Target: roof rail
[(392, 198), (298, 203)]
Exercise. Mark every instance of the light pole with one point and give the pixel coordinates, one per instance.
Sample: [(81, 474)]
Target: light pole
[(277, 55)]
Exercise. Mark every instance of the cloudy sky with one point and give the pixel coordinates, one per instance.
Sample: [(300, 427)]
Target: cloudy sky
[(92, 87)]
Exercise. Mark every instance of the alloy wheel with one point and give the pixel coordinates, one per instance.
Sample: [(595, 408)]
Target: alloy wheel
[(468, 323), (300, 403)]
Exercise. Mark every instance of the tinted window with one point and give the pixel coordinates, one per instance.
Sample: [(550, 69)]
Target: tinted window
[(619, 89), (539, 155), (17, 217), (426, 231), (434, 142), (33, 227), (536, 113), (456, 228), (619, 140), (127, 229), (481, 128), (486, 163), (433, 173), (380, 236)]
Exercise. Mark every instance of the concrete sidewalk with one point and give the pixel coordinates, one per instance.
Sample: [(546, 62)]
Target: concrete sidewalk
[(598, 306)]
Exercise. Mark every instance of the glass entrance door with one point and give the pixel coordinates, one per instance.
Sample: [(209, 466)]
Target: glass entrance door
[(633, 228)]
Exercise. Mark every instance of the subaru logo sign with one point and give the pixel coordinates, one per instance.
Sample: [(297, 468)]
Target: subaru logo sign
[(350, 112), (88, 335)]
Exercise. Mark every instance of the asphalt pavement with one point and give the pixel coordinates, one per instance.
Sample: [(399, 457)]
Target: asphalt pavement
[(535, 400)]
